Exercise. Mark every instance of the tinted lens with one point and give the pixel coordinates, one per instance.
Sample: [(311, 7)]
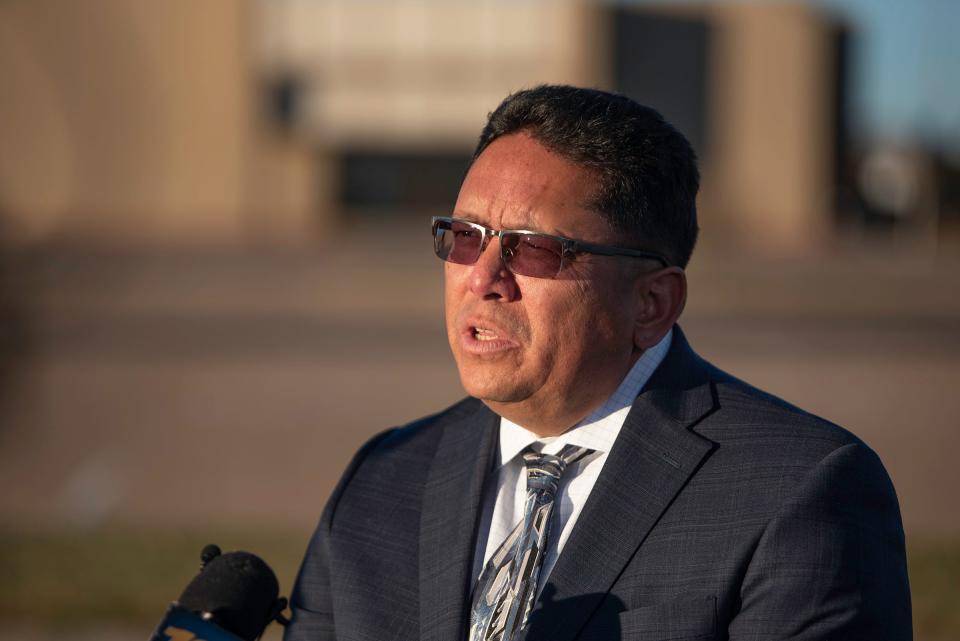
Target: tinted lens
[(532, 254), (457, 242)]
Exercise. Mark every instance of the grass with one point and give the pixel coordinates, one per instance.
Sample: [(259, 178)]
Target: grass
[(935, 586), (127, 577)]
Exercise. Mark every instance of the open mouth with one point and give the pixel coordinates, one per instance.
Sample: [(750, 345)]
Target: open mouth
[(482, 334), (486, 341)]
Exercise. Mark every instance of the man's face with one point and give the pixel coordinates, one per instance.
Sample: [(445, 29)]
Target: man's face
[(533, 348)]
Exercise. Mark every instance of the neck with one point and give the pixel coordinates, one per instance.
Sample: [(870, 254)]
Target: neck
[(560, 413), (541, 424)]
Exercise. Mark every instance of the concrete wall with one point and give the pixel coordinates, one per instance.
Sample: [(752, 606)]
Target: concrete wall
[(135, 122), (772, 176)]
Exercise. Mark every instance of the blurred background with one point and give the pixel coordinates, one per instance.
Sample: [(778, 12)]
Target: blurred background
[(216, 278)]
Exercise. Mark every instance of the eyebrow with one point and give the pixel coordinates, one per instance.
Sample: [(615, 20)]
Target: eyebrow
[(473, 218)]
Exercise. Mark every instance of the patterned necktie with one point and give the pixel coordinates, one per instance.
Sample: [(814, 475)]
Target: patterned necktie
[(505, 591)]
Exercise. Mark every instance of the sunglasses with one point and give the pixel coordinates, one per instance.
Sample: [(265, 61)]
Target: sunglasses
[(525, 253)]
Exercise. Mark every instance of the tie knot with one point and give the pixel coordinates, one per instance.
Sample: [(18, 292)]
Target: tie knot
[(544, 470), (546, 467)]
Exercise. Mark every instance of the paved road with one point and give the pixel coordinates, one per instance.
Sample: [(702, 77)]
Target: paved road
[(225, 387)]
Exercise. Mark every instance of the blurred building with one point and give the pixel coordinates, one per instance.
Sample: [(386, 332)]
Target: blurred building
[(275, 121), (396, 94), (136, 123)]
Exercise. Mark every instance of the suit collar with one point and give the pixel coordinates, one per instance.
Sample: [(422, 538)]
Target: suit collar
[(448, 521), (654, 456)]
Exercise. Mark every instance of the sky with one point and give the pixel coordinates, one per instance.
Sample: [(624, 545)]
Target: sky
[(905, 57), (905, 67)]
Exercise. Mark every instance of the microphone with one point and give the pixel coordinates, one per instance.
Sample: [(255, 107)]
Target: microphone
[(233, 598)]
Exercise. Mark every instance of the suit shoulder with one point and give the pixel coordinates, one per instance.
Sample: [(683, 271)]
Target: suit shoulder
[(398, 456), (417, 434), (411, 446), (778, 454), (746, 413)]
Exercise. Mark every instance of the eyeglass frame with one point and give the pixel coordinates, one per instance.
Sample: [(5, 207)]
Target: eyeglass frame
[(569, 247)]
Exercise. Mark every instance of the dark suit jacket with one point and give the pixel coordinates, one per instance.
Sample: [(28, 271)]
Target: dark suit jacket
[(721, 513)]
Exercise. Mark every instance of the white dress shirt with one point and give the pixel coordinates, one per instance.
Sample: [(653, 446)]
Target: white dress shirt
[(505, 496)]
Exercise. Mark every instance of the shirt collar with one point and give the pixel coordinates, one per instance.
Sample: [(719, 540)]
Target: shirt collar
[(600, 428)]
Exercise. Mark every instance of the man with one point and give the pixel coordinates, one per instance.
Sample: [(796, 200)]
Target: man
[(603, 482)]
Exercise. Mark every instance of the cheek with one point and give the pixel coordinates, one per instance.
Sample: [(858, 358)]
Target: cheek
[(589, 327), (565, 324), (453, 287)]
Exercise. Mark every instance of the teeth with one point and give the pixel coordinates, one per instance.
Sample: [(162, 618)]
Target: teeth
[(483, 334)]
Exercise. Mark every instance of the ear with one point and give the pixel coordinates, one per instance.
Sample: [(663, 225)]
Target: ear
[(661, 297)]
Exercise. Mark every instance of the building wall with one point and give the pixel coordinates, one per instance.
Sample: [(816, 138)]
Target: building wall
[(132, 122), (773, 172), (415, 73), (135, 122)]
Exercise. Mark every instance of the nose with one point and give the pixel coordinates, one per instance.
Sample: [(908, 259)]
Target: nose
[(489, 277)]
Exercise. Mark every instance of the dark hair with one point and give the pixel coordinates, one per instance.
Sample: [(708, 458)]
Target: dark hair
[(648, 170)]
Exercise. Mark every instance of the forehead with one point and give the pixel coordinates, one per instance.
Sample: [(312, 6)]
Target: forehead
[(517, 183)]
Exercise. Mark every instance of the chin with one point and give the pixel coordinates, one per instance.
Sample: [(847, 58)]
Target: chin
[(487, 386)]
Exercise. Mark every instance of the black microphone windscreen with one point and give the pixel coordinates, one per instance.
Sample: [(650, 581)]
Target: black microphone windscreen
[(238, 590)]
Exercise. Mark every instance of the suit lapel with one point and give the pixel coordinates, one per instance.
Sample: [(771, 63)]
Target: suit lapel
[(448, 523), (654, 456)]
